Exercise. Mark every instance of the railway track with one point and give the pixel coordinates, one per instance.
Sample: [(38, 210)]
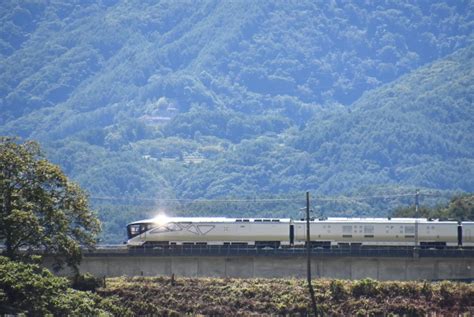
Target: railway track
[(121, 250)]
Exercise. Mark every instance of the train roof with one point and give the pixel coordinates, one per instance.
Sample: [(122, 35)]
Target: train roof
[(380, 220), (208, 219), (166, 219)]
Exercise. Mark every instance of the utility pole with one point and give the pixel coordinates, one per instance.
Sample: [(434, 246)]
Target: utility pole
[(417, 194), (308, 251), (417, 215)]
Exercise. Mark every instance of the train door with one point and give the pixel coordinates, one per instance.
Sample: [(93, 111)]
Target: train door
[(292, 234), (460, 234)]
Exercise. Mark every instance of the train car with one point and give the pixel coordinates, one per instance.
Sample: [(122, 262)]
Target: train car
[(436, 233), (378, 231), (165, 231)]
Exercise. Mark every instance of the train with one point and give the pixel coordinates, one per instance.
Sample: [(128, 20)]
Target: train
[(165, 232)]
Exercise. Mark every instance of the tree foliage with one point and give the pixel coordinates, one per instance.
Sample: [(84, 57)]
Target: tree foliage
[(34, 291), (460, 208), (40, 208)]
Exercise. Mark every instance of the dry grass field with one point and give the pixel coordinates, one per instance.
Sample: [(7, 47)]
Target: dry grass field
[(163, 296)]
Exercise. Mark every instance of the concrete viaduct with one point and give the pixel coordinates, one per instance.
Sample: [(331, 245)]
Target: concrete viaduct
[(351, 265)]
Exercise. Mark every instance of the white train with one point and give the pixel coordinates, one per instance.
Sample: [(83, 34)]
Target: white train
[(275, 233)]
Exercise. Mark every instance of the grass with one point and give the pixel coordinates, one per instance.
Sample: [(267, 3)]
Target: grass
[(288, 297)]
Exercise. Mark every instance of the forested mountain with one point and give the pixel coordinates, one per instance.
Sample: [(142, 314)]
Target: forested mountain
[(417, 130), (208, 99)]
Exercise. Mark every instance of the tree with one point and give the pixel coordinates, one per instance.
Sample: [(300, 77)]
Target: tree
[(40, 209), (28, 289), (410, 212), (459, 208)]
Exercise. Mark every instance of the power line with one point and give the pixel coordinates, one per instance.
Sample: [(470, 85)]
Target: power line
[(192, 200), (369, 197), (345, 199)]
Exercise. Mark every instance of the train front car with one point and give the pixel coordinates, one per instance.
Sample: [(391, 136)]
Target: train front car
[(137, 232), (354, 232), (209, 231)]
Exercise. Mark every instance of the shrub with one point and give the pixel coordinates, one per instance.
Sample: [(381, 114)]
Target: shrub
[(366, 287), (32, 290), (337, 289), (87, 282), (446, 293)]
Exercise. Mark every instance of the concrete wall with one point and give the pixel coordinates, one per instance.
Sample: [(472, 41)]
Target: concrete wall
[(269, 267)]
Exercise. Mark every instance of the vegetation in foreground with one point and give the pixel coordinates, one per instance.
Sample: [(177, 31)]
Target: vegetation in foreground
[(40, 208), (28, 289), (230, 297)]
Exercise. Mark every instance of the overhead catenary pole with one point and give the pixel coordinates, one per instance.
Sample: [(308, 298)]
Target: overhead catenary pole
[(308, 252), (417, 215), (417, 194)]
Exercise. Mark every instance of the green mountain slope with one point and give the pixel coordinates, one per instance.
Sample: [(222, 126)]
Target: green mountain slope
[(212, 99), (102, 58), (417, 130)]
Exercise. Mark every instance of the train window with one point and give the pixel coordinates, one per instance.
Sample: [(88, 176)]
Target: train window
[(160, 229), (368, 230), (206, 228), (173, 227), (275, 220), (258, 220), (266, 220), (148, 227), (166, 228), (346, 229), (134, 230), (239, 220), (195, 231), (246, 220)]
